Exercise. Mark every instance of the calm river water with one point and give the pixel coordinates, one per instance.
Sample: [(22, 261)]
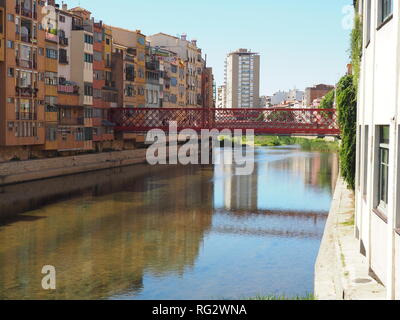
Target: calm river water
[(176, 232)]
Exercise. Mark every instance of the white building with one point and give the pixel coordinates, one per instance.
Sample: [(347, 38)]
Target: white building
[(221, 92), (291, 95), (242, 79), (378, 160)]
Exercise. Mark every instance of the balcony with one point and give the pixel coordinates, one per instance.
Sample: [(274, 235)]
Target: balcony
[(26, 91), (63, 60), (129, 58), (25, 116), (26, 13), (71, 121), (51, 37), (63, 41), (71, 89)]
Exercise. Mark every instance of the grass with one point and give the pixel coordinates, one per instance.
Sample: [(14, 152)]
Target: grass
[(283, 297), (317, 144), (349, 223)]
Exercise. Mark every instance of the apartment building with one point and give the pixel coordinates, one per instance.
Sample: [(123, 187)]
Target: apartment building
[(22, 43), (153, 79), (242, 79), (378, 142), (316, 92), (129, 66), (104, 96), (207, 88), (221, 96), (61, 72), (191, 54)]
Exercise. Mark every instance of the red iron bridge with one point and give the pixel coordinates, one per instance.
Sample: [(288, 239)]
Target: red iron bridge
[(264, 121)]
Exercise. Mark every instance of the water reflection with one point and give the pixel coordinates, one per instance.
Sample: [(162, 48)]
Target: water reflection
[(182, 232)]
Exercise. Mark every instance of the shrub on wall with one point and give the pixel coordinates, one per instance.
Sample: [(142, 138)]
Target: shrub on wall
[(346, 104), (328, 101)]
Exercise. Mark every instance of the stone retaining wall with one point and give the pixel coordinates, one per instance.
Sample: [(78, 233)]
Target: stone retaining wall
[(21, 171)]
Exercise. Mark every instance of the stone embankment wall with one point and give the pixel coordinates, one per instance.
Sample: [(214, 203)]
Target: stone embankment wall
[(21, 171)]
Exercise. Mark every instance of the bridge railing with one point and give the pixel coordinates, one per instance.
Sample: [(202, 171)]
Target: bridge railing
[(262, 121)]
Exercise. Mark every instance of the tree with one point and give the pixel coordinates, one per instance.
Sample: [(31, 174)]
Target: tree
[(328, 101)]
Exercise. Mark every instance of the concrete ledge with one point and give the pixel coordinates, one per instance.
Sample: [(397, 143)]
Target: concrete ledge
[(341, 272), (23, 171)]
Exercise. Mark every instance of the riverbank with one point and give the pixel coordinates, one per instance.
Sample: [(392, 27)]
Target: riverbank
[(30, 170), (341, 272), (307, 144)]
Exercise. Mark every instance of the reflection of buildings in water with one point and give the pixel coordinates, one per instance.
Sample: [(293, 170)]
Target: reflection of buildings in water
[(102, 246), (318, 169), (238, 192)]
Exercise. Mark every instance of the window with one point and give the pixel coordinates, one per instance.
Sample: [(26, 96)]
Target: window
[(10, 44), (383, 168), (397, 184), (88, 90), (365, 160), (51, 53), (88, 39), (62, 18), (385, 10), (97, 56), (10, 72), (368, 28), (88, 58)]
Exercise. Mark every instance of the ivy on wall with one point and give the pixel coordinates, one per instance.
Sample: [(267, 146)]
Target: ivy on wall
[(346, 104)]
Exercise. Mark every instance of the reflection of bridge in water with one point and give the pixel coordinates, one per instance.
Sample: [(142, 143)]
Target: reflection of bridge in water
[(261, 120)]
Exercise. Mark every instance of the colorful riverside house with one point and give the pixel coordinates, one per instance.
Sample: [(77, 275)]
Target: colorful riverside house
[(153, 79), (181, 83), (103, 92), (129, 61), (207, 88), (82, 71), (191, 54), (378, 144), (21, 74)]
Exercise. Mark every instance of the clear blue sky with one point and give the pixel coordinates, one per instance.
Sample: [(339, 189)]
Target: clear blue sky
[(301, 42)]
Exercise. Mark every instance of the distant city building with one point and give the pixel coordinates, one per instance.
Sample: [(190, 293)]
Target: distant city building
[(265, 101), (242, 79), (316, 92), (292, 95), (221, 92)]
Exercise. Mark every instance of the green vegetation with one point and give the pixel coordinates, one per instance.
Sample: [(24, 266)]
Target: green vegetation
[(346, 104), (275, 141), (347, 115), (356, 46), (328, 101), (349, 223), (304, 143), (283, 297)]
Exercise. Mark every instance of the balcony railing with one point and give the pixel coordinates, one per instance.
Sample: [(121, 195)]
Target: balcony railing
[(63, 61), (51, 37), (26, 91), (26, 116), (63, 41), (24, 63), (26, 12), (72, 89)]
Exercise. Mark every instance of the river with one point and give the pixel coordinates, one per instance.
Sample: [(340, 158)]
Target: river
[(170, 232)]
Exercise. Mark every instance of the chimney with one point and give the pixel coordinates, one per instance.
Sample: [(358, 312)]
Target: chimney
[(184, 37), (51, 3), (194, 42), (64, 6)]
